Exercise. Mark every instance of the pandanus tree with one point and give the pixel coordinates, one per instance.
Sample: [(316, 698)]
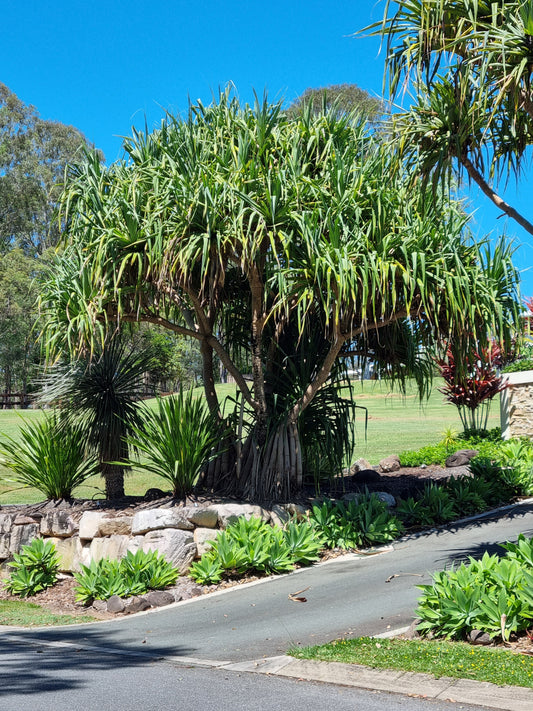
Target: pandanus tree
[(254, 233), (468, 66)]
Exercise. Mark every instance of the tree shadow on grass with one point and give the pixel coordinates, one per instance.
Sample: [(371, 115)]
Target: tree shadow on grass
[(62, 659)]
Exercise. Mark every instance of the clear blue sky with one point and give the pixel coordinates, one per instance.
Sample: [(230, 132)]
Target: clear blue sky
[(105, 66)]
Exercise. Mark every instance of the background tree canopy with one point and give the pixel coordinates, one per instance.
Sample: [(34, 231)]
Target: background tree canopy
[(33, 157), (286, 240)]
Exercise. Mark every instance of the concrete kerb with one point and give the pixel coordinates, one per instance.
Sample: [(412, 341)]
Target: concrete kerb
[(508, 698)]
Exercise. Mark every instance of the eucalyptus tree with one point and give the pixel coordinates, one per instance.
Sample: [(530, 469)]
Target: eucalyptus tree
[(469, 65), (252, 233)]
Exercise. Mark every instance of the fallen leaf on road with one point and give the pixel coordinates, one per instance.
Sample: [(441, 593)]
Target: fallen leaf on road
[(397, 575), (295, 597)]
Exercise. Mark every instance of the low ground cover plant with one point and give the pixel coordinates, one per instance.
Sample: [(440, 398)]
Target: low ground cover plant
[(251, 546), (135, 574), (486, 442), (494, 595), (363, 522), (33, 569)]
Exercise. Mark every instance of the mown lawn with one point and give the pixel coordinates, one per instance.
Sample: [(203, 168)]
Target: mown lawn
[(395, 422)]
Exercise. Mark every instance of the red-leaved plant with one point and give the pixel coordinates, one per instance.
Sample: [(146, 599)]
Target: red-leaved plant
[(471, 387)]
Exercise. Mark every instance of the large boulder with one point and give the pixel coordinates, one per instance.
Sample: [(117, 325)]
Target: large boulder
[(229, 513), (461, 457), (59, 524), (176, 545), (115, 526), (158, 519), (202, 538), (90, 524), (390, 464)]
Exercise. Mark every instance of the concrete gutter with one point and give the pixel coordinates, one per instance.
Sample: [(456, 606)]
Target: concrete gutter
[(465, 691)]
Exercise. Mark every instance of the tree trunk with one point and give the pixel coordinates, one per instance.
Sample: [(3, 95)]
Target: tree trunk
[(263, 473), (114, 481)]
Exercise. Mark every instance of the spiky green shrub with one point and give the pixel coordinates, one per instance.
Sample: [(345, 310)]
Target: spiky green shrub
[(177, 439), (33, 569), (50, 456), (135, 574), (252, 546), (355, 524)]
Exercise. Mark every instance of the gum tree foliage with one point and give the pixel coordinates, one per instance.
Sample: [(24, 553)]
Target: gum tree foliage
[(33, 157), (468, 64), (343, 98), (252, 233)]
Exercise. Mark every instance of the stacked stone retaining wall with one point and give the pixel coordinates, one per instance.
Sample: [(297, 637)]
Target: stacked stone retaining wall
[(516, 403), (181, 534)]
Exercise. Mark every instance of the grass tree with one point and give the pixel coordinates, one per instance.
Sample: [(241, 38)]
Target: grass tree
[(250, 232), (102, 392)]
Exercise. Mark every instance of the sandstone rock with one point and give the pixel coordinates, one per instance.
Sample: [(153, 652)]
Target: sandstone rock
[(412, 632), (21, 520), (202, 536), (390, 464), (22, 535), (279, 515), (461, 457), (159, 598), (89, 524), (229, 513), (137, 604), (478, 637), (158, 519), (359, 465), (115, 526), (115, 604), (296, 510), (114, 547), (176, 545), (6, 523), (59, 524), (69, 550), (203, 517)]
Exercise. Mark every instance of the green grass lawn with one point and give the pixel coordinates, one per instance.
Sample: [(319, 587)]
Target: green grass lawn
[(27, 614), (453, 659), (395, 422)]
